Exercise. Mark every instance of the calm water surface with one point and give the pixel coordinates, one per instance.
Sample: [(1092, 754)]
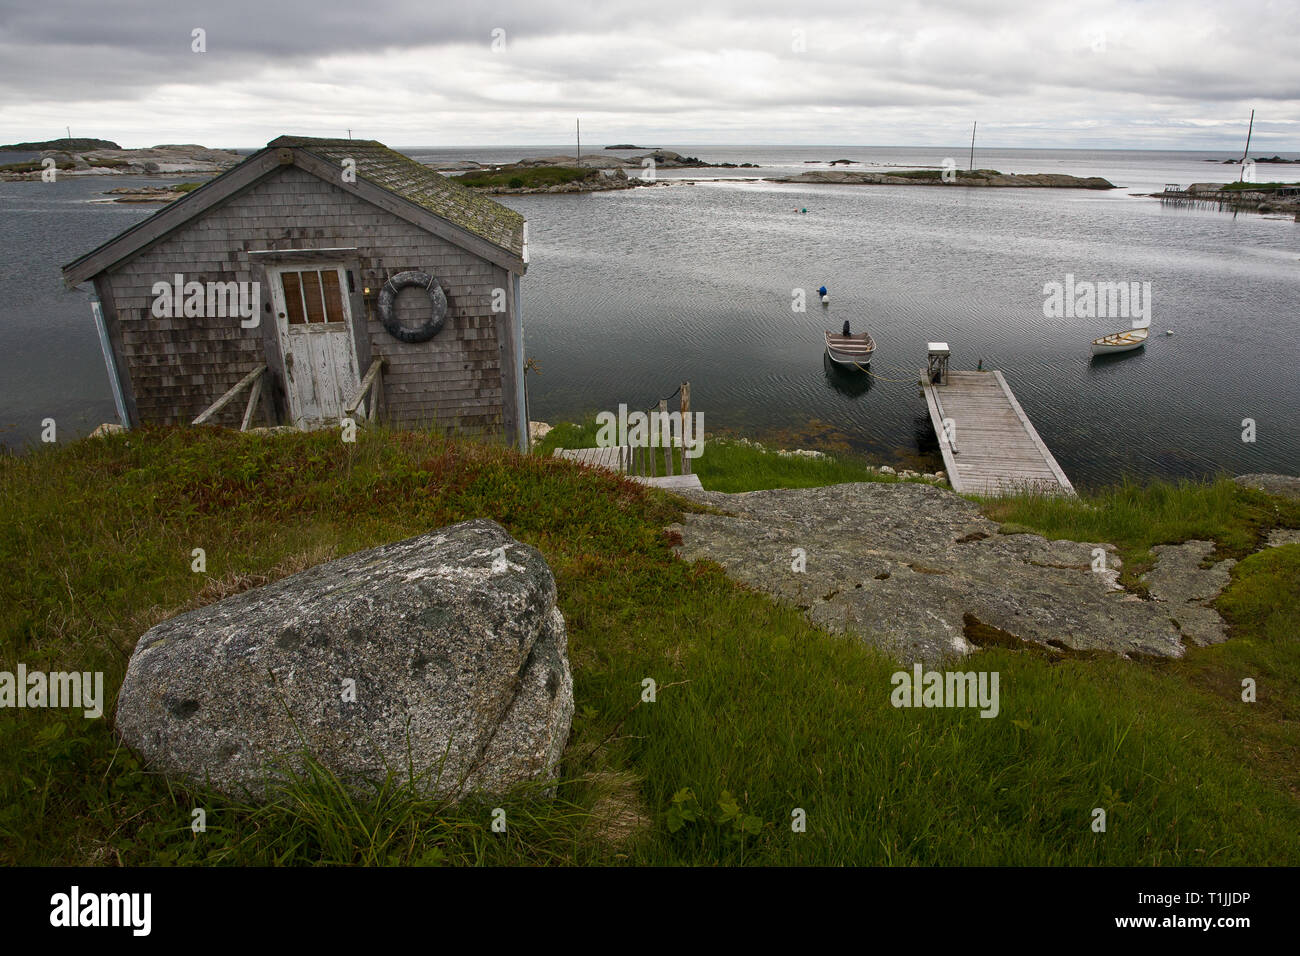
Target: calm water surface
[(629, 293)]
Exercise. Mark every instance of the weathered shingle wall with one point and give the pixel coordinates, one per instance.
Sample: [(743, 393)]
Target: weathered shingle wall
[(179, 366)]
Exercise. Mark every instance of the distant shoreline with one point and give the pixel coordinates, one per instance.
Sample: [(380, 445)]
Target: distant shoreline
[(990, 178), (182, 160)]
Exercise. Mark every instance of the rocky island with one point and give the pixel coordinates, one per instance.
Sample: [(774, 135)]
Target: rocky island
[(574, 174), (149, 194), (936, 177), (1251, 197), (555, 174), (75, 143), (1258, 159), (164, 160)]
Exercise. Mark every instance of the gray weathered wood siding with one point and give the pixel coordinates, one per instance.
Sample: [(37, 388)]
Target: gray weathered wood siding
[(179, 366)]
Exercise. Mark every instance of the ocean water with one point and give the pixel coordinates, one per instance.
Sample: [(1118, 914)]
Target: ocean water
[(630, 293)]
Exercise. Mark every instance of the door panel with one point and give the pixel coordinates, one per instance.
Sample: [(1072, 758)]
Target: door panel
[(315, 327)]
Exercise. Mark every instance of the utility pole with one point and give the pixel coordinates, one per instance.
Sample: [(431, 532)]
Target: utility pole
[(69, 129), (1249, 130), (578, 128), (971, 167)]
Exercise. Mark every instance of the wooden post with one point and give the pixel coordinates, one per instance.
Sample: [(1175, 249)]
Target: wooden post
[(224, 400), (668, 448), (650, 446), (364, 404), (686, 426), (254, 394)]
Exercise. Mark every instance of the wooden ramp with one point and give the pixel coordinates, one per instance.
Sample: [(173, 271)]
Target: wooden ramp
[(991, 447), (611, 459), (618, 460)]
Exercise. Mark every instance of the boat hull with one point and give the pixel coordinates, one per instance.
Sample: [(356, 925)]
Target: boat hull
[(1115, 349), (1119, 342), (841, 358), (850, 351)]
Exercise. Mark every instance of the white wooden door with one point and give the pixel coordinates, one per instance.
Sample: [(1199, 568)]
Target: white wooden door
[(315, 324)]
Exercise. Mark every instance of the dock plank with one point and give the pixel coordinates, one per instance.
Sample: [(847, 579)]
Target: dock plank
[(617, 460), (995, 448), (688, 482), (609, 459)]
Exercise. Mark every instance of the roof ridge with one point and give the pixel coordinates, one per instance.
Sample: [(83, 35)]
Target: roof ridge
[(412, 180), (305, 141), (380, 166)]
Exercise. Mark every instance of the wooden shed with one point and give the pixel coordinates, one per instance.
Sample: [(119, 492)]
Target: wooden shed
[(318, 279)]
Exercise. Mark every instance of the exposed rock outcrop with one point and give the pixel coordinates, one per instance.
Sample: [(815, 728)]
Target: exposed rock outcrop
[(148, 194), (156, 160), (1187, 588), (1285, 486), (919, 571)]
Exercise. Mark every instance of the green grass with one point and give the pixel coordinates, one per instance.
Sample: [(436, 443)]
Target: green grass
[(526, 176), (33, 167), (1257, 187), (734, 465), (937, 174), (758, 713), (1135, 517)]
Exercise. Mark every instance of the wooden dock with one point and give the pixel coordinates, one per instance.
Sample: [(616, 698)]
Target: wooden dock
[(611, 459), (619, 460), (639, 463), (990, 446)]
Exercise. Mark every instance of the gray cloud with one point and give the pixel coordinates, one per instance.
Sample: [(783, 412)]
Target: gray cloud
[(1158, 74)]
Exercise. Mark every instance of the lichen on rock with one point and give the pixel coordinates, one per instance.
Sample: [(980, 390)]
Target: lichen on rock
[(443, 653)]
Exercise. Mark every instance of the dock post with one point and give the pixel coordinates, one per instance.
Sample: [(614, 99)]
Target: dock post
[(666, 423), (936, 365), (686, 426)]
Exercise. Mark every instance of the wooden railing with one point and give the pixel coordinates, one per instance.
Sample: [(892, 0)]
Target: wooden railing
[(252, 380), (643, 461), (371, 387)]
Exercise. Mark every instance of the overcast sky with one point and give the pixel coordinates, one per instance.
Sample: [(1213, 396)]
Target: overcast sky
[(1103, 73)]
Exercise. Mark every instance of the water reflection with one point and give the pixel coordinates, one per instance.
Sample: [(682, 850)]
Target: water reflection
[(847, 381), (927, 442), (1106, 359)]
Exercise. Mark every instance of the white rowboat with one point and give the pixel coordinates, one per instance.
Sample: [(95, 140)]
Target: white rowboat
[(851, 350), (1124, 341)]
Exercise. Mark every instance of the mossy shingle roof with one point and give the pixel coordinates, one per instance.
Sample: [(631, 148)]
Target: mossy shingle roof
[(413, 181)]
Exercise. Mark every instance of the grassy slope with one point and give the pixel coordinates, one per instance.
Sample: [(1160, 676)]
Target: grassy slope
[(728, 465), (752, 700)]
